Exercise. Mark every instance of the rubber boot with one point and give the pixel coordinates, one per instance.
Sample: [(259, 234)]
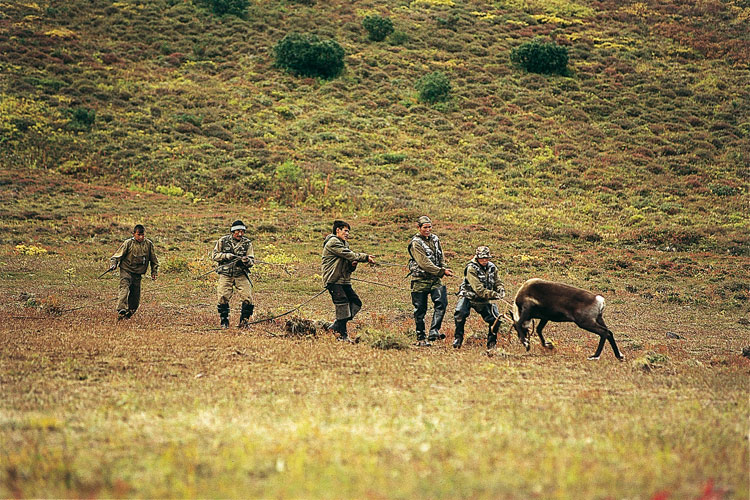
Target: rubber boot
[(245, 315), (491, 339), (458, 340), (422, 340), (341, 328), (435, 335), (224, 315)]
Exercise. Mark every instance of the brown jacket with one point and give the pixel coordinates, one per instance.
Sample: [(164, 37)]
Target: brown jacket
[(338, 261), (135, 257)]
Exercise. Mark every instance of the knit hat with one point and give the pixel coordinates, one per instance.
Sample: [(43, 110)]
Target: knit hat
[(423, 220), (237, 225), (483, 252)]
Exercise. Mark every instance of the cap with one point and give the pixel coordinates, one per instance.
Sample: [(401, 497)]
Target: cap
[(237, 225), (424, 220), (483, 252)]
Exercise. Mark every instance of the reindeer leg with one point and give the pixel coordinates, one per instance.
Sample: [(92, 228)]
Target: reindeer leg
[(611, 339), (542, 324), (598, 352), (602, 331)]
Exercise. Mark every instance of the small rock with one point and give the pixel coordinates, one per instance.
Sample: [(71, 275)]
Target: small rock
[(673, 335), (746, 351)]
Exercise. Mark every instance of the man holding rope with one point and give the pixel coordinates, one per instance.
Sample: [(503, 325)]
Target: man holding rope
[(234, 254), (338, 263), (481, 284), (134, 256), (427, 267)]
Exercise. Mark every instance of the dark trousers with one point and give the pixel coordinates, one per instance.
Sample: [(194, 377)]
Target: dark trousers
[(129, 293), (488, 311), (347, 304), (439, 298)]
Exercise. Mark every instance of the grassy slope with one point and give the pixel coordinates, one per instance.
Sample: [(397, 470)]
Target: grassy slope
[(586, 179)]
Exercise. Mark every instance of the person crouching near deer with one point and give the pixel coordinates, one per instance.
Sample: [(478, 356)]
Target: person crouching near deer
[(481, 284)]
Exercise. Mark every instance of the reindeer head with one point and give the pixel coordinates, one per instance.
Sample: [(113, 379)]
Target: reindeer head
[(523, 329)]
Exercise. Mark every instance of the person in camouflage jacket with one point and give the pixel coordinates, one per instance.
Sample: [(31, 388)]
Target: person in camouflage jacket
[(134, 256), (234, 255), (338, 262), (480, 285), (427, 267)]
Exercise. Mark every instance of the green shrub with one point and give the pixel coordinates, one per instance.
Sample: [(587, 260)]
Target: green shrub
[(82, 119), (307, 55), (398, 38), (540, 57), (174, 264), (378, 27), (232, 7), (288, 173), (434, 87), (723, 190)]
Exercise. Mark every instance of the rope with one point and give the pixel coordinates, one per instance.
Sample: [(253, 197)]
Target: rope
[(290, 311), (381, 284)]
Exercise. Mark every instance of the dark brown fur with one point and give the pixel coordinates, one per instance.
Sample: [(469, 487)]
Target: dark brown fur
[(552, 301)]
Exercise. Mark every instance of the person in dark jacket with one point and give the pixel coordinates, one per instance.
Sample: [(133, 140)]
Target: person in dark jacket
[(337, 264)]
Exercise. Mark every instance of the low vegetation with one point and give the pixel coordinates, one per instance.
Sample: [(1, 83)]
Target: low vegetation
[(622, 171)]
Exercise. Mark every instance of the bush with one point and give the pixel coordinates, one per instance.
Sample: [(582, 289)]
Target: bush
[(433, 88), (232, 7), (378, 27), (307, 55), (82, 119), (540, 57), (398, 38)]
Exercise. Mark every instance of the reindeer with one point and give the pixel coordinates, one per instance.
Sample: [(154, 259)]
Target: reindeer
[(552, 301)]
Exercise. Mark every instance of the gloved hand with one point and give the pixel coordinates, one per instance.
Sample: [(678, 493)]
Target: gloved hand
[(113, 266), (246, 259)]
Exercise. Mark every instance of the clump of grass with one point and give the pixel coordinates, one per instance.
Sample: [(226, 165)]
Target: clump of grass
[(297, 325), (651, 360), (379, 339)]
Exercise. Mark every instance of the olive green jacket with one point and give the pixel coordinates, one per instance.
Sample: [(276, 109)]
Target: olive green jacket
[(135, 257), (426, 263), (481, 284), (339, 261), (227, 250)]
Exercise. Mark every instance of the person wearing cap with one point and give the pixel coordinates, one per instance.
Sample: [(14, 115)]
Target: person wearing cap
[(481, 284), (234, 255), (427, 267), (338, 262), (134, 256)]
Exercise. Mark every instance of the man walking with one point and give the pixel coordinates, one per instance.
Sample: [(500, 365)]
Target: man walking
[(234, 255), (134, 256), (481, 284), (337, 264), (427, 267)]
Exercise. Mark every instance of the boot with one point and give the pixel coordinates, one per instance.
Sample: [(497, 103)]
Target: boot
[(340, 326), (224, 315), (122, 314), (458, 341), (246, 314), (435, 335), (421, 340), (491, 339)]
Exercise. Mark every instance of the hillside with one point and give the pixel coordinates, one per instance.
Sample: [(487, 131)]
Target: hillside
[(647, 139)]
